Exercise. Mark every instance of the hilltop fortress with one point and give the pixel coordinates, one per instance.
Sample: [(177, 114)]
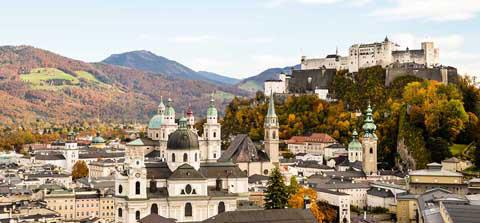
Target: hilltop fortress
[(367, 55), (316, 74)]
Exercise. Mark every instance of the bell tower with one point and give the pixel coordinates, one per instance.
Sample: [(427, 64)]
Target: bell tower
[(271, 132), (212, 134), (369, 144)]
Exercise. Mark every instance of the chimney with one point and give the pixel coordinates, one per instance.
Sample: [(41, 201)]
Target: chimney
[(306, 202)]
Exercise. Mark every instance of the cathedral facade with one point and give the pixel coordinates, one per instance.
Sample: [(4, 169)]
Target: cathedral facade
[(175, 173)]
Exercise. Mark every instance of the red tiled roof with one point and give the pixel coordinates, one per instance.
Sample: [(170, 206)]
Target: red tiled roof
[(314, 138)]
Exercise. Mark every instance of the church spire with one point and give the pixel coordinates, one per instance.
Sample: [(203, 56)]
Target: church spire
[(271, 107), (161, 107), (368, 124), (212, 111)]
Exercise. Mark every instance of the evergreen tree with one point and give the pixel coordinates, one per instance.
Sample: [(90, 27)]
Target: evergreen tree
[(293, 187), (276, 195), (477, 155)]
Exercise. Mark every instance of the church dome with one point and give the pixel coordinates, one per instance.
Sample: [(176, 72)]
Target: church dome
[(155, 122), (355, 144), (183, 138), (98, 139)]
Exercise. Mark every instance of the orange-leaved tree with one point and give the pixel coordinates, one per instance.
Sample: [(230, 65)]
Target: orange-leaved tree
[(321, 214)]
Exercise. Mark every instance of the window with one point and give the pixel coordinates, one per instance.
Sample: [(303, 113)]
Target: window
[(120, 189), (154, 209), (185, 157), (173, 157), (214, 134), (188, 189), (137, 188), (120, 212), (371, 150), (221, 207), (137, 215), (265, 172), (188, 210), (274, 135), (214, 155), (196, 157)]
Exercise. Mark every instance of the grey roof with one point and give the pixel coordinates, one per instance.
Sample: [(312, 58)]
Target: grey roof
[(290, 215), (242, 149), (257, 178), (380, 192), (182, 139), (186, 172), (143, 142), (343, 185), (330, 192), (345, 174), (336, 146), (94, 155), (153, 154), (312, 164), (463, 213), (161, 192), (221, 169), (50, 157), (155, 218), (158, 170)]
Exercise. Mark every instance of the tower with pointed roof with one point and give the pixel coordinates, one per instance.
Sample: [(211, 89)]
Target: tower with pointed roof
[(355, 150), (211, 148), (271, 132), (369, 143)]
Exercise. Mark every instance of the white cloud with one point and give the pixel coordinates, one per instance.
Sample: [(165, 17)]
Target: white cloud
[(192, 39), (431, 10)]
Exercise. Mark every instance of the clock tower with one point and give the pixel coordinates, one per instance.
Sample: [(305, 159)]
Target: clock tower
[(136, 173)]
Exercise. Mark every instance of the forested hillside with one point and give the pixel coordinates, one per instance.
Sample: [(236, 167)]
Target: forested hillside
[(38, 84), (421, 118)]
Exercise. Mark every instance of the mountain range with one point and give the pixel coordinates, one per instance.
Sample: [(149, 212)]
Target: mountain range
[(37, 84), (148, 61)]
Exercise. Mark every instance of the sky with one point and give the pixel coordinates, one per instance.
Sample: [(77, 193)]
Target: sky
[(242, 38)]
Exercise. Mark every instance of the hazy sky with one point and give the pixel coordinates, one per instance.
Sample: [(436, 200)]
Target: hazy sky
[(241, 38)]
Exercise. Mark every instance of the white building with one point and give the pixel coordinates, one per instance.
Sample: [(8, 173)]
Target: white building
[(373, 54), (339, 199), (276, 86), (187, 183), (313, 144)]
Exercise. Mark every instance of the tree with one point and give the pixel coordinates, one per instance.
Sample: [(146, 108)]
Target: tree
[(79, 170), (324, 214), (276, 195), (477, 155), (293, 187), (438, 148)]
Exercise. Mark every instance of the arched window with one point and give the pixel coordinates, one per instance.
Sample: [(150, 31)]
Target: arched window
[(137, 215), (154, 209), (185, 157), (120, 189), (214, 134), (173, 157), (137, 188), (221, 207), (188, 210), (196, 157), (371, 150), (274, 135), (120, 212), (157, 134)]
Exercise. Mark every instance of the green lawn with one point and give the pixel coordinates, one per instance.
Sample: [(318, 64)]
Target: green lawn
[(457, 149), (39, 78)]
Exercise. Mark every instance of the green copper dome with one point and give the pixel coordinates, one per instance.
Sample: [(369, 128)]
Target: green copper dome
[(183, 138), (155, 122), (212, 111), (98, 139), (369, 126), (355, 144)]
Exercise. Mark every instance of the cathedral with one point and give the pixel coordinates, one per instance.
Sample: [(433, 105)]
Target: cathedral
[(177, 173)]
